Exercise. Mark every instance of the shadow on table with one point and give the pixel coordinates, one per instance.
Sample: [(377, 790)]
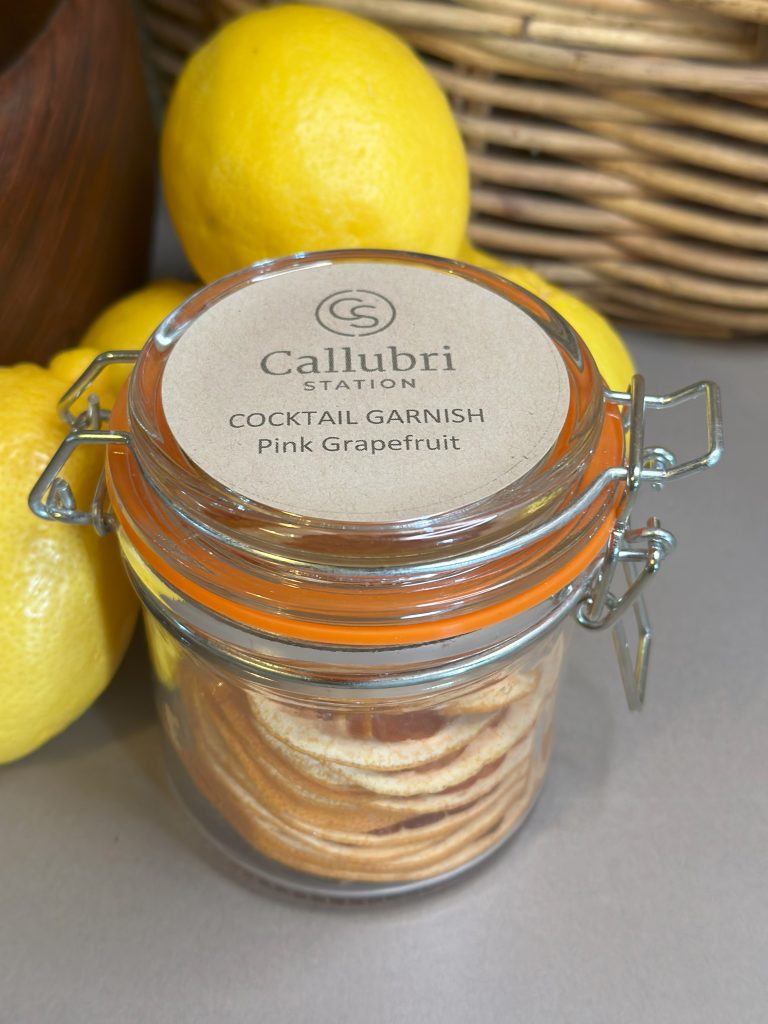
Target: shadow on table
[(583, 747)]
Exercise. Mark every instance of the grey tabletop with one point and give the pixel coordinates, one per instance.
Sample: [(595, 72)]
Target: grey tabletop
[(636, 892)]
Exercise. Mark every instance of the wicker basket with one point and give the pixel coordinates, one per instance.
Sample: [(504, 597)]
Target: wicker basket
[(616, 146)]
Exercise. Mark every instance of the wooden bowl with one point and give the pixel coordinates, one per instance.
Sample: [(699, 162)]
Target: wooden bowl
[(77, 169)]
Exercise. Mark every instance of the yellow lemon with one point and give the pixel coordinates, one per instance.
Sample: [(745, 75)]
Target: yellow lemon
[(165, 652), (128, 323), (69, 364), (301, 128), (609, 352), (67, 610)]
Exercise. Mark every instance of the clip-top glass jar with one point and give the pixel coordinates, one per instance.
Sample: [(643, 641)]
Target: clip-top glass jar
[(362, 496)]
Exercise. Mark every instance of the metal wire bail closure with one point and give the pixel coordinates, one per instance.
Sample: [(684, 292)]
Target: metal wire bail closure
[(51, 497), (640, 551)]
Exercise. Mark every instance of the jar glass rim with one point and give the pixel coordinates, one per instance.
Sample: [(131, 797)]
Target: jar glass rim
[(160, 495)]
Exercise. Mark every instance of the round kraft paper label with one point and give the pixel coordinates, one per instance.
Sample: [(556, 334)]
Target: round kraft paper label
[(365, 392)]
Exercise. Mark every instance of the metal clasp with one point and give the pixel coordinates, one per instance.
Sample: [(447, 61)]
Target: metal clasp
[(52, 497), (641, 551)]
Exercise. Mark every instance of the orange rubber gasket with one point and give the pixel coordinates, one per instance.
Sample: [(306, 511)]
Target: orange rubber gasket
[(352, 634)]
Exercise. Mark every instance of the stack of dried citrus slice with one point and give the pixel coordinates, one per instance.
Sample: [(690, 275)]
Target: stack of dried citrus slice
[(364, 795)]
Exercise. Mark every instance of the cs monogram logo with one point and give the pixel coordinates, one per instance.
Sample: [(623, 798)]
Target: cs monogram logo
[(355, 313)]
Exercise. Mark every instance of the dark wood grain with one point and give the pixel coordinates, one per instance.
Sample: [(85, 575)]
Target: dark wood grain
[(77, 153)]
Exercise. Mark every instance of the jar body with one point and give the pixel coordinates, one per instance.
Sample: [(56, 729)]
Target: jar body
[(356, 588), (357, 554), (331, 772)]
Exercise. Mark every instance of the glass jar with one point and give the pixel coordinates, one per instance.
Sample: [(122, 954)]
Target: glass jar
[(363, 496)]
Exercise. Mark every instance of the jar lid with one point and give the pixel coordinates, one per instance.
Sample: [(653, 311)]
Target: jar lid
[(346, 447)]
